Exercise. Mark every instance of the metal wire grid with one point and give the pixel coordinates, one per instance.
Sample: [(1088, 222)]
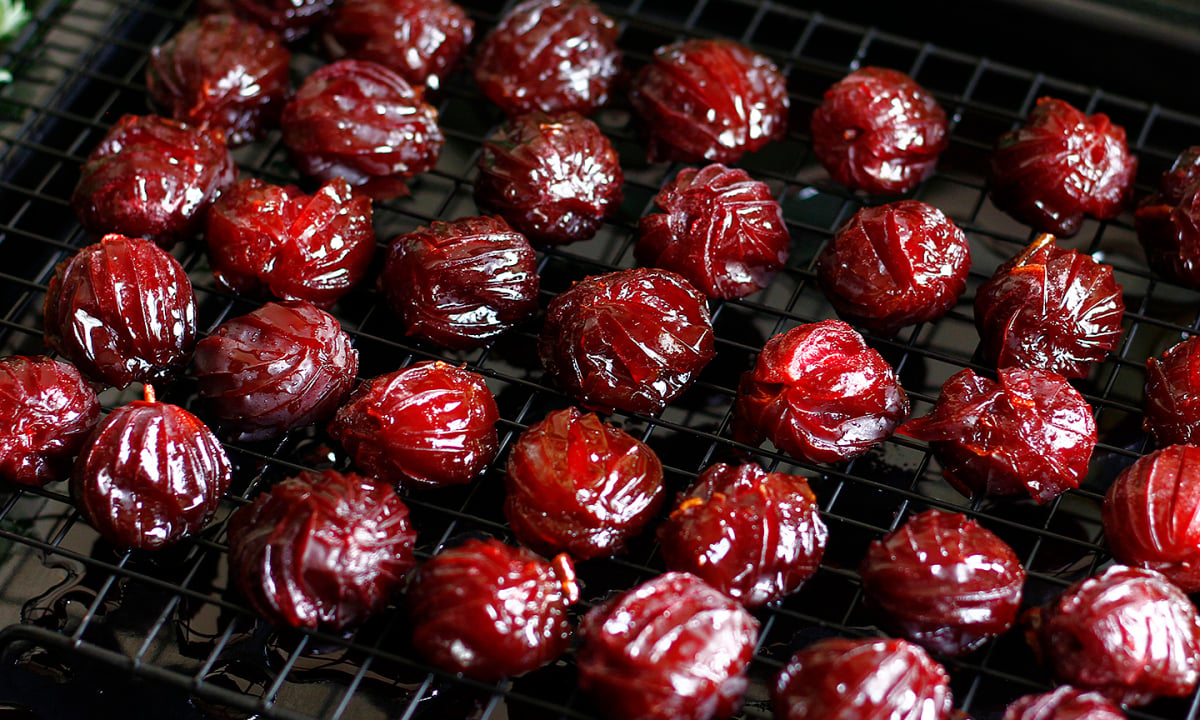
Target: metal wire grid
[(172, 619)]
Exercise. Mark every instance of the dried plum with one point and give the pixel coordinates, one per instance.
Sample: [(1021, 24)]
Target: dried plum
[(1172, 405), (1063, 703), (292, 19), (47, 411), (1168, 221)]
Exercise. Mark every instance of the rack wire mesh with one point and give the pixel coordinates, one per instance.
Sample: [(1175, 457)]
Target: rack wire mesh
[(76, 610)]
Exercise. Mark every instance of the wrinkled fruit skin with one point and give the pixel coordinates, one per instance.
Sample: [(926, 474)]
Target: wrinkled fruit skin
[(580, 486), (149, 475), (47, 411), (152, 177), (631, 339), (1063, 703), (1172, 404), (672, 648), (720, 229), (122, 310), (361, 121), (1149, 515), (549, 55), (895, 265), (292, 19), (819, 393), (944, 581), (842, 679), (1168, 222), (554, 178), (223, 72), (422, 40), (462, 283), (324, 550), (878, 131), (425, 425), (1127, 633), (1030, 433), (270, 240), (709, 100), (753, 535), (281, 367), (1060, 166), (490, 610), (1051, 308)]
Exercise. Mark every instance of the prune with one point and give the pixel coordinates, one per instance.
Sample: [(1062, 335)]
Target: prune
[(361, 121), (894, 265), (944, 581), (47, 411), (1127, 633), (753, 535), (555, 178), (1051, 308), (271, 240), (720, 229), (423, 40), (819, 393), (281, 367), (580, 486), (149, 475), (1061, 165), (878, 131), (709, 99), (152, 177), (122, 310), (425, 425), (842, 679), (490, 610), (460, 284), (1172, 405), (324, 549), (672, 648), (1031, 432), (549, 55), (292, 19), (1063, 703), (631, 339), (1168, 222), (222, 72)]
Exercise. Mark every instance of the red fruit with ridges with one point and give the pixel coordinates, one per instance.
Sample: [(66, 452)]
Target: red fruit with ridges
[(1172, 398), (47, 411), (1063, 703), (1168, 222), (292, 19)]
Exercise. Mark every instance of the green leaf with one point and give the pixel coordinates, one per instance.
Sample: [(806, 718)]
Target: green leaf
[(13, 17)]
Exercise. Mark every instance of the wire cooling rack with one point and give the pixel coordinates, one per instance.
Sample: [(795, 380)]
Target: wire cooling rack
[(78, 614)]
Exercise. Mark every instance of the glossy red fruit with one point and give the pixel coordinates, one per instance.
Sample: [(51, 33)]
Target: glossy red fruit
[(753, 535), (223, 72), (47, 411), (490, 610), (878, 131), (672, 648), (276, 241), (361, 121), (422, 40), (152, 177), (1051, 308), (631, 339), (819, 393), (1060, 166), (1168, 222), (292, 19), (1150, 515), (122, 310), (1127, 633), (321, 550), (1063, 703), (895, 265), (709, 100), (843, 679), (549, 55), (149, 475), (555, 178), (1172, 404), (580, 486), (425, 425), (281, 367), (720, 229), (463, 283), (944, 581), (1030, 433)]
